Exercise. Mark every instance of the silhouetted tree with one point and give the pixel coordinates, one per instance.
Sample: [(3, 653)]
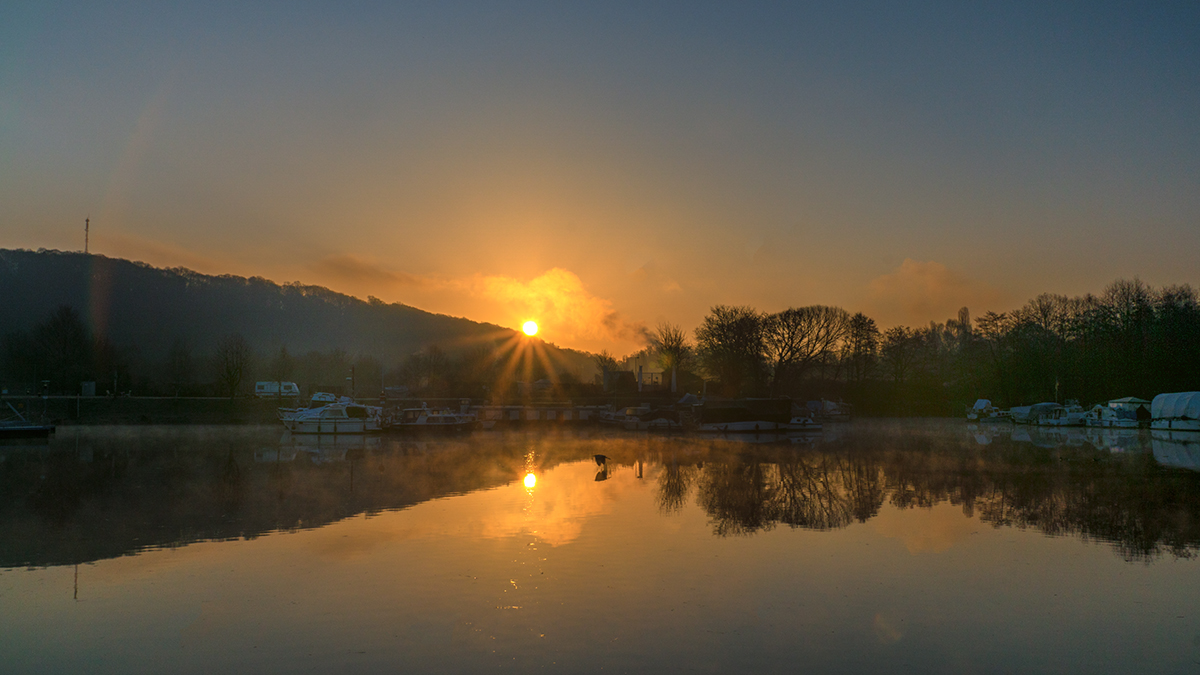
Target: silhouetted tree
[(232, 363), (670, 344), (861, 347), (799, 339), (729, 344)]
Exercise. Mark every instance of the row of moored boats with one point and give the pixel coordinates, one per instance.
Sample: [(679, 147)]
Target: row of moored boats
[(1178, 411), (330, 414)]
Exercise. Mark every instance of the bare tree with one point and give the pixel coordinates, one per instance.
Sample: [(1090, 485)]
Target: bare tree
[(232, 363), (799, 338), (729, 343), (669, 342), (606, 364)]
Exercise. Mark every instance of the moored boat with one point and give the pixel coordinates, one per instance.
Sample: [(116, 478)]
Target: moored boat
[(332, 415), (1177, 412), (1110, 418)]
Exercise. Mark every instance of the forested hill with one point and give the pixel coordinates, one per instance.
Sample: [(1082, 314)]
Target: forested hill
[(132, 304)]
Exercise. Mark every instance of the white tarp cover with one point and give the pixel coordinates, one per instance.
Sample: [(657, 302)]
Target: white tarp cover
[(1182, 405), (982, 404)]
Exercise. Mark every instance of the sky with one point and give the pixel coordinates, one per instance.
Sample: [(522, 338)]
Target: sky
[(605, 167)]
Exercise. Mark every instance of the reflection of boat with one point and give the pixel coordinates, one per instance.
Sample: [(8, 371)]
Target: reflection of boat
[(1050, 437), (1179, 449), (1176, 411), (425, 419), (332, 418), (20, 427), (1115, 440)]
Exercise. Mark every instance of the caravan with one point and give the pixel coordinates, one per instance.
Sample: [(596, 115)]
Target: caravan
[(275, 389)]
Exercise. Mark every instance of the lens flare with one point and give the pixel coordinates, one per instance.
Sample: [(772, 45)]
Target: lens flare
[(530, 480), (530, 328)]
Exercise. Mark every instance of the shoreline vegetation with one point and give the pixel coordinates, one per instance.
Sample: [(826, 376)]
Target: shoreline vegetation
[(152, 363)]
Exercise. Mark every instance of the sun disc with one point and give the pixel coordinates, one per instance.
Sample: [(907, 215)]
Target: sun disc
[(530, 328), (530, 480)]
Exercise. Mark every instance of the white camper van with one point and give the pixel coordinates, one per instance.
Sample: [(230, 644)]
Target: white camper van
[(276, 389)]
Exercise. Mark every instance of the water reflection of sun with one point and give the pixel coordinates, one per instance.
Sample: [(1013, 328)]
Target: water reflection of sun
[(530, 481)]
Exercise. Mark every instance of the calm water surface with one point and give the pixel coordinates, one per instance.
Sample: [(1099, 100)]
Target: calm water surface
[(910, 546)]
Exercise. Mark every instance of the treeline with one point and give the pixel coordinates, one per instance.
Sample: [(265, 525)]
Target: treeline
[(1131, 340)]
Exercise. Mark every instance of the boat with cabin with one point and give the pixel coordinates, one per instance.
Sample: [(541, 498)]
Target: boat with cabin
[(329, 414), (1105, 417), (984, 412)]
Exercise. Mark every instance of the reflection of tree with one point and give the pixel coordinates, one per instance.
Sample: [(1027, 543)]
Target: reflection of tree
[(1143, 510), (736, 497), (809, 493), (674, 483)]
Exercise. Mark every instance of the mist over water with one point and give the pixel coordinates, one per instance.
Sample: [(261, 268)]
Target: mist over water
[(922, 543)]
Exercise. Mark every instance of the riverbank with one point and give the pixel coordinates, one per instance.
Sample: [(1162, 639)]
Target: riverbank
[(92, 410)]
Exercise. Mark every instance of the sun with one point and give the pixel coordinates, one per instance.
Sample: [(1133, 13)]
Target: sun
[(530, 328)]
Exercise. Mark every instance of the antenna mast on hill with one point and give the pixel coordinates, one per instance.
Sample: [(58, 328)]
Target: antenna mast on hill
[(87, 224)]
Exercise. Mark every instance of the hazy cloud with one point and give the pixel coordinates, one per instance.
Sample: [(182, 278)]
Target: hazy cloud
[(651, 275), (151, 251), (918, 292), (352, 270)]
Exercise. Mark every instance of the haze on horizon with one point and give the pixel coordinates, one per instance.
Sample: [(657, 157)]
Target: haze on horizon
[(599, 167)]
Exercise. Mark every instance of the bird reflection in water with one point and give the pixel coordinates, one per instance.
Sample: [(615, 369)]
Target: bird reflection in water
[(602, 462)]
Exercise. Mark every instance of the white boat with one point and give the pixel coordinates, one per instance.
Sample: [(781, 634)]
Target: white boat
[(1062, 417), (1179, 411), (985, 413), (333, 418), (426, 419), (1110, 418)]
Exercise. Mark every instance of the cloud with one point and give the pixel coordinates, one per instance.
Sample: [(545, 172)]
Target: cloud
[(150, 251), (651, 274), (918, 292), (558, 298), (352, 270)]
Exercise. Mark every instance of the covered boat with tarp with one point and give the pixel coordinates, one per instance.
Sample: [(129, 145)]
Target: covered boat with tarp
[(1179, 411)]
